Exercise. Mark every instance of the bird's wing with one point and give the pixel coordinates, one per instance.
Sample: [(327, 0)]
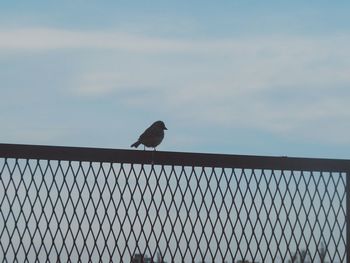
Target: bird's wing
[(149, 132)]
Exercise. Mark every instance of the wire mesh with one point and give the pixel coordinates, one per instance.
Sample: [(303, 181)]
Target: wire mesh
[(76, 211)]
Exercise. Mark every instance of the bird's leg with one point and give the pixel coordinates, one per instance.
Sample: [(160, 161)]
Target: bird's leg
[(154, 148)]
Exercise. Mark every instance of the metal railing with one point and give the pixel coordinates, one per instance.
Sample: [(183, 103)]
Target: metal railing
[(69, 204)]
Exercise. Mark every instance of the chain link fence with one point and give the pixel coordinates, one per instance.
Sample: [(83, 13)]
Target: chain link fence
[(65, 204)]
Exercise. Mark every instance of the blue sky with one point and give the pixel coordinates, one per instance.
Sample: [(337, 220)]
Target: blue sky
[(238, 77)]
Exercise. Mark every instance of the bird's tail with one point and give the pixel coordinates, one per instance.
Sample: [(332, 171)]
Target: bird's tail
[(136, 144)]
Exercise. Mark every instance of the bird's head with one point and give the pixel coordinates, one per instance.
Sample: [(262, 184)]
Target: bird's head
[(160, 125)]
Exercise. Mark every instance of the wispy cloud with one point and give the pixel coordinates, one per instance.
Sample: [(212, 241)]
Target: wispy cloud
[(51, 38), (289, 85), (44, 38)]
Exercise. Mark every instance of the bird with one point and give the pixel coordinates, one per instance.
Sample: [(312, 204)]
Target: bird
[(152, 136)]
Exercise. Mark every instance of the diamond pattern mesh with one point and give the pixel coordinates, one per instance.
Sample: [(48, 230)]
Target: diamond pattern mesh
[(72, 211)]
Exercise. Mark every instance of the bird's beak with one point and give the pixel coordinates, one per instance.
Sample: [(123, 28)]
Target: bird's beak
[(165, 128)]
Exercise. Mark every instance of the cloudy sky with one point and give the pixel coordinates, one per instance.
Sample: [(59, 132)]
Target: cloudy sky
[(240, 77)]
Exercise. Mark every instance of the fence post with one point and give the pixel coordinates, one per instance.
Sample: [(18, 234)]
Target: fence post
[(348, 216)]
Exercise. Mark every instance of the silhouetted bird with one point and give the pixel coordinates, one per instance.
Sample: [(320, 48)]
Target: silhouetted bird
[(152, 136)]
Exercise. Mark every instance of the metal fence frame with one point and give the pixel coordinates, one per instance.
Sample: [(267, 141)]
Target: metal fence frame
[(82, 154)]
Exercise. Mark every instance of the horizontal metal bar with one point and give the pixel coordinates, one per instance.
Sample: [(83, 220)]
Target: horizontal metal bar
[(22, 151)]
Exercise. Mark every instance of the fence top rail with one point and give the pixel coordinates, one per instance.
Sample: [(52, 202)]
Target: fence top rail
[(84, 154)]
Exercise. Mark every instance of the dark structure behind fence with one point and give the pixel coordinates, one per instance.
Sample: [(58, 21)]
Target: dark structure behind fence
[(61, 204)]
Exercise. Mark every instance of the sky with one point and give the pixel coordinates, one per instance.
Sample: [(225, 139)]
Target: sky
[(233, 77)]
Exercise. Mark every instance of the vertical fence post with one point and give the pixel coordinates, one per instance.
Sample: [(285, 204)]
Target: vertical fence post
[(348, 216)]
